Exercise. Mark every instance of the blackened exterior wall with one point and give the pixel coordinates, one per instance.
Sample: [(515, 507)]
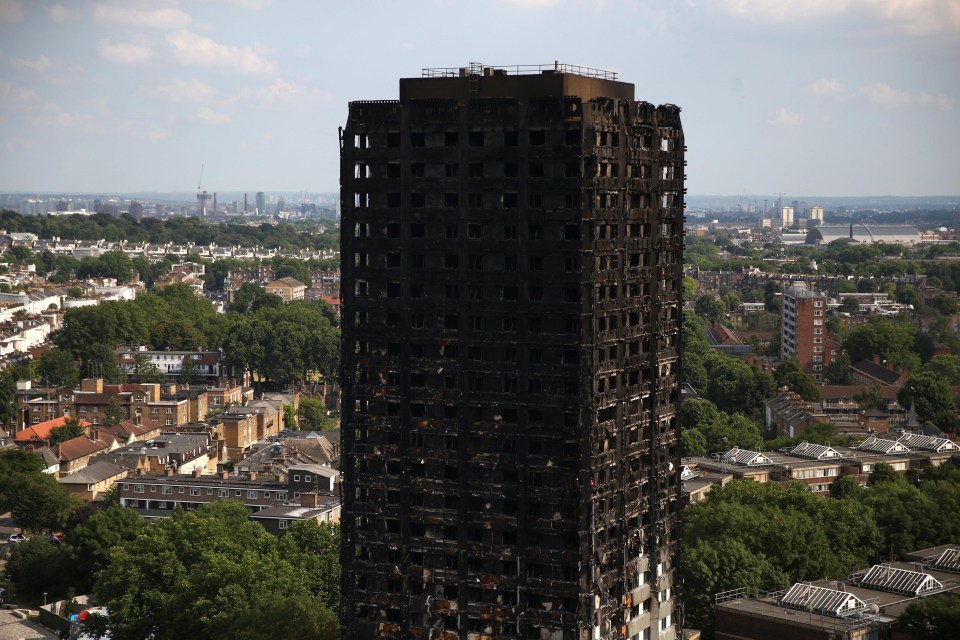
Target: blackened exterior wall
[(511, 280)]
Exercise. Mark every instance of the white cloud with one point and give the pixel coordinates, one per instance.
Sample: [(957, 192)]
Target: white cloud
[(59, 13), (283, 91), (11, 93), (888, 97), (123, 52), (940, 101), (210, 116), (195, 91), (52, 116), (190, 48), (39, 65), (827, 87), (171, 18), (783, 117), (917, 17), (245, 4), (532, 4), (11, 11)]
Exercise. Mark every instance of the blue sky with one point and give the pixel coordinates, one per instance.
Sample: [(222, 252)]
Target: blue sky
[(803, 97)]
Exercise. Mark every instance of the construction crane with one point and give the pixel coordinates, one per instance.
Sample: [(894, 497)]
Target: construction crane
[(202, 196)]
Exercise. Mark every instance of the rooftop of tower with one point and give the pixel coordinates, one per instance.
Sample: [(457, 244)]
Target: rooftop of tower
[(521, 82), (479, 69)]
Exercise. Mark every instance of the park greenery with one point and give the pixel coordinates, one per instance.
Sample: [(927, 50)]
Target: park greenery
[(278, 343)]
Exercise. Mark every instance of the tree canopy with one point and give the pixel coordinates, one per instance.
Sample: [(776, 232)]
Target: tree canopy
[(765, 537), (213, 573)]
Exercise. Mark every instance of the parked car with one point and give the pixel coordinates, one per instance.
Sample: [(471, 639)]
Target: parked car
[(17, 537), (3, 595)]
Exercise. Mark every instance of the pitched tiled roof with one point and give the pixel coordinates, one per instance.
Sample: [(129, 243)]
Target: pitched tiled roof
[(874, 371), (41, 432), (94, 473), (76, 448)]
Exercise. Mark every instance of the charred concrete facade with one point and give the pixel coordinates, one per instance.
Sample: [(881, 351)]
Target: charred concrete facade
[(511, 262)]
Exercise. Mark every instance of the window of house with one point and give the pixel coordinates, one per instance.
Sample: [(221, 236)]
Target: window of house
[(251, 495), (138, 488), (166, 490), (283, 524), (296, 478), (307, 479), (194, 491)]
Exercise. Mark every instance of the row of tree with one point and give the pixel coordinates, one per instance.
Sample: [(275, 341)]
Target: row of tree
[(321, 234), (279, 343)]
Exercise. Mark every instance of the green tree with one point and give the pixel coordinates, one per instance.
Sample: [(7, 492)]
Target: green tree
[(101, 362), (733, 385), (38, 502), (116, 264), (145, 371), (932, 398), (933, 618), (946, 368), (850, 305), (710, 308), (36, 567), (882, 472), (197, 574), (71, 429), (88, 546), (693, 443), (766, 536), (312, 414), (838, 371), (188, 371), (945, 303), (871, 398), (57, 367), (177, 335), (115, 413), (789, 374)]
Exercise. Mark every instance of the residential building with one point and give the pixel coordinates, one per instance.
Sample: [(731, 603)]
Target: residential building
[(881, 374), (38, 435), (90, 483), (156, 495), (206, 367), (289, 289), (804, 329), (511, 265), (313, 506)]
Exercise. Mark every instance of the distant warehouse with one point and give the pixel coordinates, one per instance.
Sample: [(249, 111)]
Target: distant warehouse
[(862, 233)]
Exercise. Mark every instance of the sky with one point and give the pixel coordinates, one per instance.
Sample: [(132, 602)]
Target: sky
[(800, 97)]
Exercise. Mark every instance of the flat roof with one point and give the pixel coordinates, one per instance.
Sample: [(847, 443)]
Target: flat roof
[(521, 82)]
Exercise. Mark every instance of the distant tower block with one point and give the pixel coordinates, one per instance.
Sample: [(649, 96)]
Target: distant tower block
[(245, 209), (202, 199), (786, 216), (261, 202), (816, 214)]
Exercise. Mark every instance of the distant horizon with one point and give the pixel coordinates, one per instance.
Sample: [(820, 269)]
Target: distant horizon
[(772, 196), (854, 96)]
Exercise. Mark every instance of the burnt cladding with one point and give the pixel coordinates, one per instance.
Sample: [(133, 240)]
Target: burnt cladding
[(511, 262)]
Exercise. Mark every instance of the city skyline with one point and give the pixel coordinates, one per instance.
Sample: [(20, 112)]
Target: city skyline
[(853, 97)]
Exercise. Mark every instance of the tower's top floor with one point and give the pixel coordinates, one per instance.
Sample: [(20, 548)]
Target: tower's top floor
[(519, 82)]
